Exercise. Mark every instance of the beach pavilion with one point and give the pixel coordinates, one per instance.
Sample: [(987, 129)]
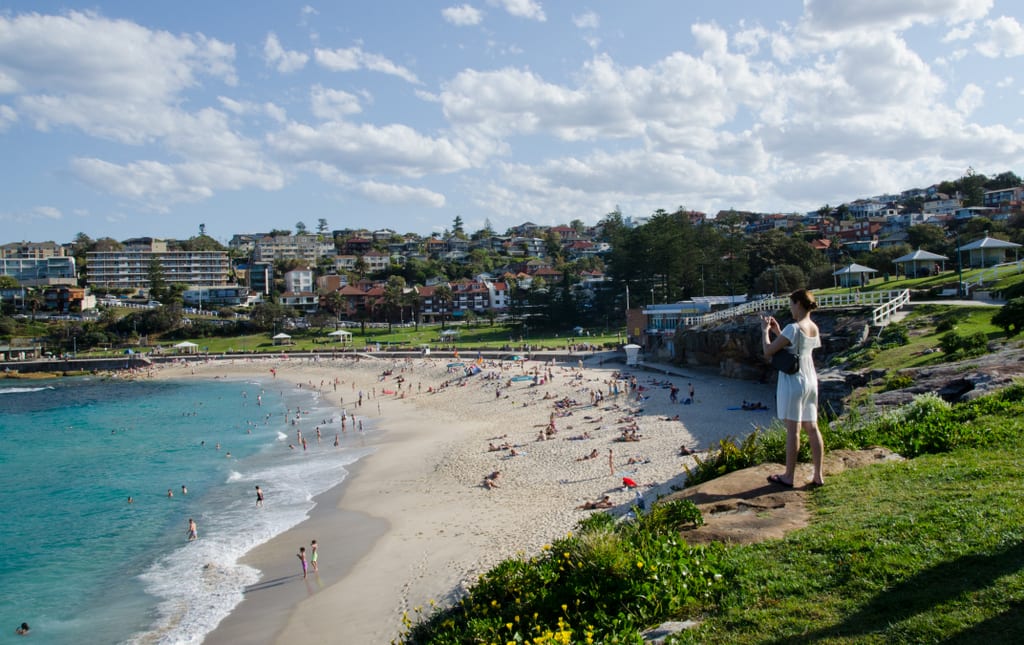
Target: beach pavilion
[(853, 275), (919, 263), (988, 251), (342, 336), (282, 339), (186, 347), (449, 335)]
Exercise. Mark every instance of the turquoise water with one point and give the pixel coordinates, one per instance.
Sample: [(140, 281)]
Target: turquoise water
[(81, 564)]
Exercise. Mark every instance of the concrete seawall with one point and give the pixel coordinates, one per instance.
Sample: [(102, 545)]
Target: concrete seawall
[(58, 365)]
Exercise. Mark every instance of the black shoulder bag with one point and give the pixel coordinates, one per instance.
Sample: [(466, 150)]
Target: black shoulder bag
[(786, 361)]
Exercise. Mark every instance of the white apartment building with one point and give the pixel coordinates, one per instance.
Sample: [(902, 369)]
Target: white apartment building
[(131, 269), (293, 247), (298, 281), (37, 272)]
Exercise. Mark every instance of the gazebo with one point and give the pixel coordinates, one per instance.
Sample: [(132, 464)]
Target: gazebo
[(186, 347), (987, 251), (919, 263), (449, 335), (342, 336), (853, 275), (282, 339)]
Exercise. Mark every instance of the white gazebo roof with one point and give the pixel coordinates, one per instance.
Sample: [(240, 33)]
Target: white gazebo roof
[(281, 336), (988, 243), (920, 255), (450, 332), (340, 332), (855, 268), (185, 345)]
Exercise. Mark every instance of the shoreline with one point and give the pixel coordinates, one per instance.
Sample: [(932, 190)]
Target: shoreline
[(423, 482), (269, 602)]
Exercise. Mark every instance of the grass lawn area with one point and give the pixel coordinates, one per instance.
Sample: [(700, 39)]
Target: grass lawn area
[(965, 320), (473, 337), (925, 551)]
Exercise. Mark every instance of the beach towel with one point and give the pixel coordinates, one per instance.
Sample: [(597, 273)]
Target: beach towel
[(628, 483)]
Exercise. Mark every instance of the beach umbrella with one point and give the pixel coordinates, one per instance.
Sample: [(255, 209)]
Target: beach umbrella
[(628, 483)]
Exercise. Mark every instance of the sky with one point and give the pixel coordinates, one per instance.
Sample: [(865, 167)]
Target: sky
[(122, 118)]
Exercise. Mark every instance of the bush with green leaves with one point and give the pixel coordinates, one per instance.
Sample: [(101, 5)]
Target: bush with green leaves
[(894, 335), (957, 346), (1010, 317), (730, 455), (602, 584)]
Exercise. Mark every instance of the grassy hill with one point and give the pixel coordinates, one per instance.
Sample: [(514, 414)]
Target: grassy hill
[(926, 550)]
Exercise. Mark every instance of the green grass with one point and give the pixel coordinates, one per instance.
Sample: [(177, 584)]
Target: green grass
[(926, 551), (471, 337)]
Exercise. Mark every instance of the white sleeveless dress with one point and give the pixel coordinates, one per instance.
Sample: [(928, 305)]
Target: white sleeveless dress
[(796, 397)]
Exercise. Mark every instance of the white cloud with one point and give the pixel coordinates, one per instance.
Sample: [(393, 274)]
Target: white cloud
[(961, 32), (333, 105), (588, 20), (971, 98), (215, 158), (369, 150), (109, 78), (354, 58), (463, 15), (37, 213), (394, 194), (7, 117), (233, 106), (1005, 82), (1005, 38), (895, 15), (284, 61), (7, 84), (48, 212), (245, 108), (275, 112), (522, 9), (749, 40)]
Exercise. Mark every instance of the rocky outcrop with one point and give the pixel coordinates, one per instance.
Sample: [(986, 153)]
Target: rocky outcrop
[(960, 380)]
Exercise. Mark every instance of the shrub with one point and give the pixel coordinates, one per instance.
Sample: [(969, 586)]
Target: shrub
[(1010, 317), (894, 335), (957, 345), (730, 456), (600, 585), (898, 382)]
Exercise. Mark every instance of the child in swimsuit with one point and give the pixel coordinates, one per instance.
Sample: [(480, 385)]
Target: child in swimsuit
[(302, 559), (312, 558)]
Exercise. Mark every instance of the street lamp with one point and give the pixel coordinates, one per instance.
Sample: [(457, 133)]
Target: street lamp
[(959, 267)]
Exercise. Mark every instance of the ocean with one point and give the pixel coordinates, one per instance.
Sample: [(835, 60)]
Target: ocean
[(79, 563)]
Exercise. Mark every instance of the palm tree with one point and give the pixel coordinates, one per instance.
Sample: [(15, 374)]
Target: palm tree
[(411, 299), (34, 301), (443, 297), (393, 297)]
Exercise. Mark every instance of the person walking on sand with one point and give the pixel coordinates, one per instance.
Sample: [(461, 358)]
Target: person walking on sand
[(302, 559), (313, 556), (797, 394), (259, 497), (193, 532), (611, 462)]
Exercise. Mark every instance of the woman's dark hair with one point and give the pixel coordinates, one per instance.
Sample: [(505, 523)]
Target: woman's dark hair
[(805, 298)]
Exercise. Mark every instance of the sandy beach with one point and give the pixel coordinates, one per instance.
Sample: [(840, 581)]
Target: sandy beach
[(414, 524)]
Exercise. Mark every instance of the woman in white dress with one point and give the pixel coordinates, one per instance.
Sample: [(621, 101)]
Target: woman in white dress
[(797, 394)]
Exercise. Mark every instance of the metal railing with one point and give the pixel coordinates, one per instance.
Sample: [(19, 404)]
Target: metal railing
[(995, 272), (886, 303)]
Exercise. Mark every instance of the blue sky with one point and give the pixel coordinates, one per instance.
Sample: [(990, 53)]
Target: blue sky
[(130, 118)]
